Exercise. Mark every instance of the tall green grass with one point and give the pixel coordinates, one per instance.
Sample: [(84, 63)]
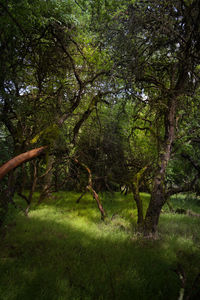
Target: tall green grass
[(64, 251)]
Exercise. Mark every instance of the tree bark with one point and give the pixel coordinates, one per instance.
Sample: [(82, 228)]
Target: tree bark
[(32, 190), (81, 196), (90, 188), (135, 190), (139, 205), (158, 191), (47, 179), (19, 159)]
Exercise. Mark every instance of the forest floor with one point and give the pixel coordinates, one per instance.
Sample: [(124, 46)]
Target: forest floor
[(64, 251)]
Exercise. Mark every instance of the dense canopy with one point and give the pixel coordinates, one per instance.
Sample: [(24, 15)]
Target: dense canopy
[(105, 89), (99, 149)]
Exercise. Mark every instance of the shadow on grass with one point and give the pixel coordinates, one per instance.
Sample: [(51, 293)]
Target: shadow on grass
[(62, 253), (43, 259)]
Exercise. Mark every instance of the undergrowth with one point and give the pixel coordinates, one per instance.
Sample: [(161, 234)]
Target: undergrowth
[(64, 251)]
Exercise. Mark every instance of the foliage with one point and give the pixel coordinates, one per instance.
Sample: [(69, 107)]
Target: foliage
[(113, 85), (107, 81)]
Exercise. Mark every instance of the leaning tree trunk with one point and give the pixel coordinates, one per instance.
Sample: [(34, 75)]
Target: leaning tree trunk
[(158, 191), (10, 166), (91, 189), (20, 159)]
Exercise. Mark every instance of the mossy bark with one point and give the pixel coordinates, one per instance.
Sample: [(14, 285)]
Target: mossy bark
[(135, 190), (158, 196)]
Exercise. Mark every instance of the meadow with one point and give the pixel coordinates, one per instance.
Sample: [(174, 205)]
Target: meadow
[(63, 250)]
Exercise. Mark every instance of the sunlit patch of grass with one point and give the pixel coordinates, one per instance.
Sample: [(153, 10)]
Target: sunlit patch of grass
[(63, 250)]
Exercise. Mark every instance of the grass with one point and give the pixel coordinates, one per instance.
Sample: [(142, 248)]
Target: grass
[(64, 251)]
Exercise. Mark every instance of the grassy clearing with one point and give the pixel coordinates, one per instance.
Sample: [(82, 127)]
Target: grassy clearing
[(64, 251)]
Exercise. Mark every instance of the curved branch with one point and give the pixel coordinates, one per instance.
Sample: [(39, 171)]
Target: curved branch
[(20, 159), (90, 188)]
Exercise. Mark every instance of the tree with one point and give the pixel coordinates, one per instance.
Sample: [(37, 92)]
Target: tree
[(30, 62), (51, 79), (167, 33), (157, 49), (65, 60), (54, 72)]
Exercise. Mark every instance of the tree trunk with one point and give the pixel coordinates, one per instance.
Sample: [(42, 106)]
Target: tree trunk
[(99, 205), (23, 179), (139, 205), (90, 188), (81, 196), (47, 179), (135, 190), (19, 159), (6, 197), (158, 191), (32, 190)]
